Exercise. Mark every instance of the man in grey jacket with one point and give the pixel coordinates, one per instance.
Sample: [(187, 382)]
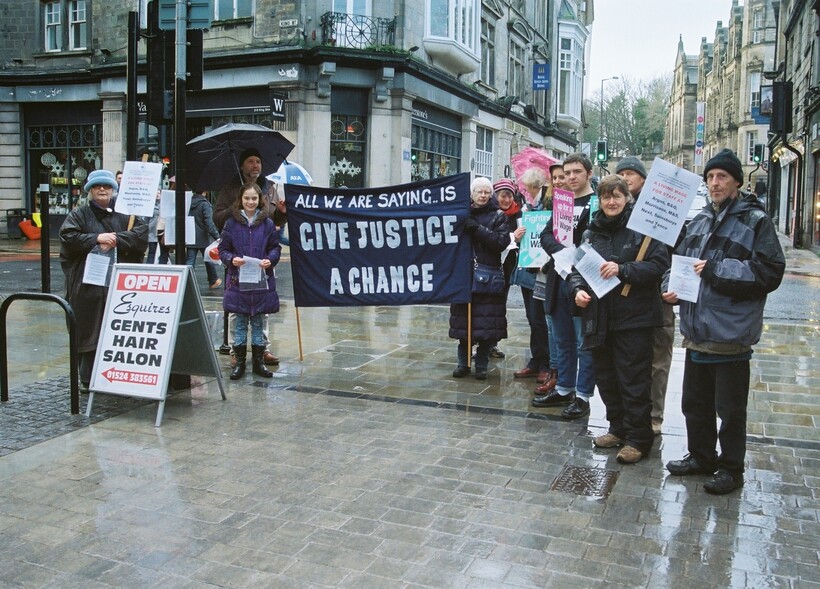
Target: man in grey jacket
[(739, 262)]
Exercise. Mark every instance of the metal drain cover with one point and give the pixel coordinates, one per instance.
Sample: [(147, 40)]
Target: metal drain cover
[(586, 481)]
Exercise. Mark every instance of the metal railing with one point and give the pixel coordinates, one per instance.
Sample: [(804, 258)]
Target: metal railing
[(358, 32), (73, 356)]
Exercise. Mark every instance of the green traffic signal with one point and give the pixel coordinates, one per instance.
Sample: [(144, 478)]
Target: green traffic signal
[(602, 152)]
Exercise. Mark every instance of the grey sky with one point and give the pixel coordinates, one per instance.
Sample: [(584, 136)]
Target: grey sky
[(639, 38)]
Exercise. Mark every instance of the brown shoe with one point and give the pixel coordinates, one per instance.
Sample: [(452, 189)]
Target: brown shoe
[(629, 455), (549, 382), (607, 440), (270, 358), (526, 372), (543, 376), (657, 423)]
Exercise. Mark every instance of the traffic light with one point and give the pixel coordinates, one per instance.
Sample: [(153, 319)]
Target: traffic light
[(193, 59), (160, 69), (603, 155), (757, 157)]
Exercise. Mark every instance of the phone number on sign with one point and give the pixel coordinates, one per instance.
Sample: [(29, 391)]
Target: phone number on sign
[(135, 377)]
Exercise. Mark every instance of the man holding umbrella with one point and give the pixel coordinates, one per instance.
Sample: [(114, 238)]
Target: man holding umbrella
[(250, 170)]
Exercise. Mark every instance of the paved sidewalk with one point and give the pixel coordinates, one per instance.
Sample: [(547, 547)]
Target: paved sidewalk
[(365, 464)]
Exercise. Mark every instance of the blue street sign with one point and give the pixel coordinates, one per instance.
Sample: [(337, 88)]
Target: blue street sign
[(540, 76), (198, 14)]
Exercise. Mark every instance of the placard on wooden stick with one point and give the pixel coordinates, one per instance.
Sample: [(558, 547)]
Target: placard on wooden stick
[(154, 324)]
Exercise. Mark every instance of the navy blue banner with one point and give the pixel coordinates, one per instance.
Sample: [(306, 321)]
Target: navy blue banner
[(393, 245)]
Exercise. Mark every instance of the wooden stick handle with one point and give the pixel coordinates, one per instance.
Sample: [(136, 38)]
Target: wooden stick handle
[(299, 335), (639, 258)]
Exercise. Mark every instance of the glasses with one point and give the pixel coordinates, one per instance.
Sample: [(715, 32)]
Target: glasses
[(612, 196), (102, 186)]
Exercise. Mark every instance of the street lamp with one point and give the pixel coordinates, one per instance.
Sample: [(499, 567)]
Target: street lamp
[(601, 134)]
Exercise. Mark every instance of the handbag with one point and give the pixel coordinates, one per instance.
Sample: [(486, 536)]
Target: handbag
[(487, 279)]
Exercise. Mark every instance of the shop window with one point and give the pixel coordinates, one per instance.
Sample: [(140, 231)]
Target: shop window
[(62, 156), (65, 25), (348, 139), (434, 153)]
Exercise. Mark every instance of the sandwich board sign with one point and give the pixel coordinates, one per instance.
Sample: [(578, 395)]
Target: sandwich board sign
[(154, 324)]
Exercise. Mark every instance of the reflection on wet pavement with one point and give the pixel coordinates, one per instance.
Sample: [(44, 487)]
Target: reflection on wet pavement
[(368, 465)]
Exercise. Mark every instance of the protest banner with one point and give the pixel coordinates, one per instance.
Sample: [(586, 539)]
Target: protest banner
[(531, 254), (138, 190), (563, 215), (394, 245), (154, 324)]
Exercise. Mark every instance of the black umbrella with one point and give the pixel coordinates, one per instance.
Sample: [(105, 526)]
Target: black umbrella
[(213, 158)]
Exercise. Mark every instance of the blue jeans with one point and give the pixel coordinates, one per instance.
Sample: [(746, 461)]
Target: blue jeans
[(191, 254), (257, 323), (553, 344), (152, 252), (575, 366)]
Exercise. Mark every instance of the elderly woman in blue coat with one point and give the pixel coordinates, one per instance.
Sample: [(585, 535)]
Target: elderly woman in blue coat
[(489, 233), (250, 233)]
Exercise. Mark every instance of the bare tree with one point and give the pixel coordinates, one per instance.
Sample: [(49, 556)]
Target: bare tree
[(634, 114)]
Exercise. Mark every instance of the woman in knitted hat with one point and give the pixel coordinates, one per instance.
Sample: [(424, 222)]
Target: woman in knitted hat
[(96, 227), (505, 193)]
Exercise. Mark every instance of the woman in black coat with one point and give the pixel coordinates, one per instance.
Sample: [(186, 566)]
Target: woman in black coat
[(619, 329), (90, 226), (488, 231)]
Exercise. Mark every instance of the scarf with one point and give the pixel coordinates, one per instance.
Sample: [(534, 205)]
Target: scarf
[(514, 209)]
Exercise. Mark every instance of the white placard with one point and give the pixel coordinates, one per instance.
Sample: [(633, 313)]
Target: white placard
[(589, 266), (138, 189), (168, 203), (171, 231), (564, 260), (250, 272), (683, 280), (664, 202), (96, 269)]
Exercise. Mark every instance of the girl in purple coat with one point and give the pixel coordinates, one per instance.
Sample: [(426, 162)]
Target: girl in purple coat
[(249, 232)]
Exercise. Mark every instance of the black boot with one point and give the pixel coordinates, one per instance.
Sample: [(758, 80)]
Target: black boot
[(239, 352), (258, 355), (462, 369)]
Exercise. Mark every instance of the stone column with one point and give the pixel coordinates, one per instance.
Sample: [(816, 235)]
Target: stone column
[(114, 130)]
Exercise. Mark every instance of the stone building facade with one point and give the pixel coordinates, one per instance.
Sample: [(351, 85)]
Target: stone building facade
[(371, 93), (795, 170), (726, 77)]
